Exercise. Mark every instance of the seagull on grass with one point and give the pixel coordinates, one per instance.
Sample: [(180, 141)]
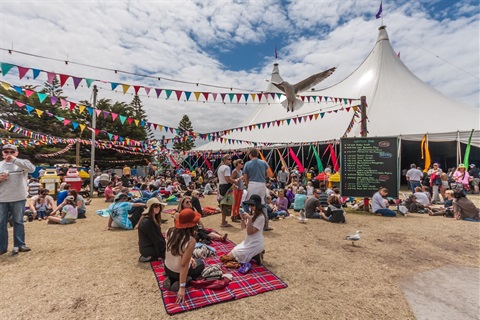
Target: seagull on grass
[(303, 218), (354, 237), (292, 103)]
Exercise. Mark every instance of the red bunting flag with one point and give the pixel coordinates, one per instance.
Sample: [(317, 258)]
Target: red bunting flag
[(22, 71)]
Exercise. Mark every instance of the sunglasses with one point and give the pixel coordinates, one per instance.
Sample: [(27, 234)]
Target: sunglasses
[(318, 193), (156, 205), (9, 152)]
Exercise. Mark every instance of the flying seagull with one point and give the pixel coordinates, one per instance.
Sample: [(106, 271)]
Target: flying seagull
[(354, 237), (292, 103)]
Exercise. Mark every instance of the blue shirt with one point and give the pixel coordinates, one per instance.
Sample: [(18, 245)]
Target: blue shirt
[(299, 202), (61, 196), (119, 213), (255, 170)]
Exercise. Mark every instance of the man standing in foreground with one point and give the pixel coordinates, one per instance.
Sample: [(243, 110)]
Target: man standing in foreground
[(13, 195), (255, 173)]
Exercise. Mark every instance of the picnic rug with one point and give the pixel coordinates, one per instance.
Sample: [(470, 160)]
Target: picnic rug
[(258, 280)]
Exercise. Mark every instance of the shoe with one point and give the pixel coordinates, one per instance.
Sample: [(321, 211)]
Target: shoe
[(144, 259), (258, 259), (24, 249), (166, 284), (15, 251), (245, 267), (175, 286)]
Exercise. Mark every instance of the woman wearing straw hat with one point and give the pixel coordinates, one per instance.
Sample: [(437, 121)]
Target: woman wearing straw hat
[(461, 176), (151, 242), (178, 258)]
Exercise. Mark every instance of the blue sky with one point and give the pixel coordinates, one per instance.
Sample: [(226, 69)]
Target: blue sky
[(231, 43)]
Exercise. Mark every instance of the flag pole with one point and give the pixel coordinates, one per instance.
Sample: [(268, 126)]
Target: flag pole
[(94, 125)]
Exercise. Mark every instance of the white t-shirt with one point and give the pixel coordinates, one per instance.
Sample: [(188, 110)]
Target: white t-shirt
[(422, 198), (223, 171)]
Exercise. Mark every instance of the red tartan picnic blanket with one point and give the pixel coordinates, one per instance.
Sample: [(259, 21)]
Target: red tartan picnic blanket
[(258, 280)]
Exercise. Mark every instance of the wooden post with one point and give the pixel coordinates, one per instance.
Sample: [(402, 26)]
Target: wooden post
[(77, 154), (363, 110)]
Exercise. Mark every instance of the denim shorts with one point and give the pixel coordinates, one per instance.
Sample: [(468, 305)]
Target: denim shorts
[(67, 221)]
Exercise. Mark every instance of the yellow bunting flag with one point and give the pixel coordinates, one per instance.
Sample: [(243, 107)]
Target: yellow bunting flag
[(137, 122), (82, 127), (197, 95), (81, 108), (39, 112), (6, 85), (253, 95), (125, 88)]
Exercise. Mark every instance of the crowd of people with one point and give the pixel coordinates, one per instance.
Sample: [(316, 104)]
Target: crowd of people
[(249, 194)]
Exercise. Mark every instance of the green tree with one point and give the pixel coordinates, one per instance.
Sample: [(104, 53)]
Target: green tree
[(183, 141)]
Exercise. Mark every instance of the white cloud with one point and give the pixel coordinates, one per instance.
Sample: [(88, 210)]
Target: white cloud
[(172, 40)]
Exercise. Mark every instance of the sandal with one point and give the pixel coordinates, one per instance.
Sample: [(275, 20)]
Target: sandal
[(268, 229), (224, 238), (245, 268), (226, 225)]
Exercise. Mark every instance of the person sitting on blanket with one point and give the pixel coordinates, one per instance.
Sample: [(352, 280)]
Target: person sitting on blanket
[(464, 208), (205, 211), (151, 242), (179, 264), (252, 247), (209, 188), (447, 210)]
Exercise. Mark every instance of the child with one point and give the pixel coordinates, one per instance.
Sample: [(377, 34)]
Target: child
[(41, 208), (69, 213), (309, 189), (299, 201)]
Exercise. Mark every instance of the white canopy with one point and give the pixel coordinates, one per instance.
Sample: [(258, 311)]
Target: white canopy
[(399, 104)]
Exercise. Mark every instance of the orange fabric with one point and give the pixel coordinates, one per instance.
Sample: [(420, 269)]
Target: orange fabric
[(237, 196)]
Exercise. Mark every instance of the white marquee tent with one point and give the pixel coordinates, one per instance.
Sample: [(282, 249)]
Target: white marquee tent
[(394, 95)]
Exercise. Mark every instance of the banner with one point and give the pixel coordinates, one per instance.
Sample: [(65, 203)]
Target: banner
[(425, 153), (317, 157), (297, 161), (467, 151)]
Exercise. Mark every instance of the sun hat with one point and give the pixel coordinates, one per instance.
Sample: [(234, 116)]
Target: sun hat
[(120, 196), (254, 200), (301, 190), (461, 165), (10, 146), (187, 218), (151, 202)]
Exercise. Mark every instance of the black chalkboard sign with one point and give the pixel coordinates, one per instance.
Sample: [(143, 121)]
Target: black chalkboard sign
[(366, 164)]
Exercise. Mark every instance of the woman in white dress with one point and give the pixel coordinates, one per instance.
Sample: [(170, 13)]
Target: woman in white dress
[(253, 245)]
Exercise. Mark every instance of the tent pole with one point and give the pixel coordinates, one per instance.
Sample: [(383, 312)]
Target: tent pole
[(459, 148), (288, 158), (399, 165)]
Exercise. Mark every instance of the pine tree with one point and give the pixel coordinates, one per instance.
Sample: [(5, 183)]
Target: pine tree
[(183, 141), (53, 89)]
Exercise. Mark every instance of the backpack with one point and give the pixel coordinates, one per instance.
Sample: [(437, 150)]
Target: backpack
[(338, 216)]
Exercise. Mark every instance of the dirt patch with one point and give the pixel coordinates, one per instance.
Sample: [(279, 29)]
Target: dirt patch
[(82, 271)]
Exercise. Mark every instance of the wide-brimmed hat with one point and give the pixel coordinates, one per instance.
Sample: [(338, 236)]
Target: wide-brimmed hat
[(120, 196), (187, 218), (461, 165), (153, 201), (254, 200), (10, 146)]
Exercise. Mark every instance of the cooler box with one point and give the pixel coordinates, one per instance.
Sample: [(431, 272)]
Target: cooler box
[(73, 179)]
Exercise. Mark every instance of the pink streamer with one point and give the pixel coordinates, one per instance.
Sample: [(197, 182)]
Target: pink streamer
[(297, 161), (336, 167)]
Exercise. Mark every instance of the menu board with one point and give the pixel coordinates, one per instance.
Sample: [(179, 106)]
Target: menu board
[(367, 164)]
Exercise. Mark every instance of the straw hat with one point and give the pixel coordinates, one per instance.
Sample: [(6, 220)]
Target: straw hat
[(461, 165), (151, 202), (187, 218)]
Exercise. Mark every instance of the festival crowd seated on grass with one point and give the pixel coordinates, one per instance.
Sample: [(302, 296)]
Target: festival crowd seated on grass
[(51, 204), (334, 211)]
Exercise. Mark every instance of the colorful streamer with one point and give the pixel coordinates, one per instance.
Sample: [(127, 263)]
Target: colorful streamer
[(317, 157), (297, 161), (467, 150), (425, 153)]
